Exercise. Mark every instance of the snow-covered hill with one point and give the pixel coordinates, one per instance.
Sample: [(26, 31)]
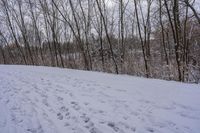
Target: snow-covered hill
[(53, 100)]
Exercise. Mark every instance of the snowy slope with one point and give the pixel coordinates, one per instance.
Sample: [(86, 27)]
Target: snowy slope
[(53, 100)]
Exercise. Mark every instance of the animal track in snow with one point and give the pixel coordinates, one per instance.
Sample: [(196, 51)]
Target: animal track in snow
[(60, 116)]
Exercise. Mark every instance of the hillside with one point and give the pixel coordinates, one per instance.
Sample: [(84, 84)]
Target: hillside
[(53, 100)]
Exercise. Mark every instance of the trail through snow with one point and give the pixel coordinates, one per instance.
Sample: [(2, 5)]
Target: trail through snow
[(54, 100)]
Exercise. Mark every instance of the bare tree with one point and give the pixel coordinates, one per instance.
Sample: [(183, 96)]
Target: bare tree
[(141, 40), (193, 10), (6, 11), (163, 35), (108, 37)]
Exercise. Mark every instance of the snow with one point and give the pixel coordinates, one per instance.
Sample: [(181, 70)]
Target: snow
[(54, 100)]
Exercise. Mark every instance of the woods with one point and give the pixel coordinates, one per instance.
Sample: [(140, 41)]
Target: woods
[(150, 38)]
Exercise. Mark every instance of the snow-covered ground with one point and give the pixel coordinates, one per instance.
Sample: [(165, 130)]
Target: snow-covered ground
[(54, 100)]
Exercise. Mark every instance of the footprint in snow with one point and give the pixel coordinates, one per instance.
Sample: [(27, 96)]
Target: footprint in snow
[(85, 118), (64, 109), (102, 122), (188, 115), (183, 106), (86, 103), (89, 125), (71, 95), (36, 130), (7, 101), (108, 87), (27, 92), (75, 105), (44, 101), (149, 129), (88, 85), (113, 126), (125, 117), (135, 113), (59, 98), (16, 119), (35, 87), (95, 130), (59, 90), (146, 101), (120, 90), (59, 86), (60, 116), (133, 129), (66, 124)]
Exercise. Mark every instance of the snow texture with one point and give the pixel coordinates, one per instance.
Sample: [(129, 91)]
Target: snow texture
[(53, 100)]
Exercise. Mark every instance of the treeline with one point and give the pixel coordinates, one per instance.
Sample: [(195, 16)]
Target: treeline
[(151, 38)]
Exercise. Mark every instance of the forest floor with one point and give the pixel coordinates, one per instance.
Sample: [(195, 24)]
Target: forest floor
[(54, 100)]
